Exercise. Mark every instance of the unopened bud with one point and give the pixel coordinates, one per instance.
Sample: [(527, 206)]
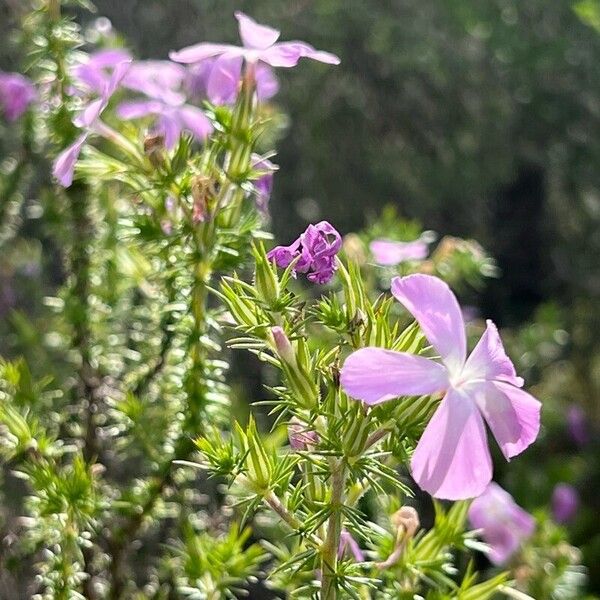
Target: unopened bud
[(154, 149), (284, 347), (301, 438), (200, 194), (265, 278)]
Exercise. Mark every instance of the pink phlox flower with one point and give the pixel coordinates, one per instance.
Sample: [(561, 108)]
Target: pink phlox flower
[(88, 120), (389, 253), (504, 524), (452, 459), (16, 94), (314, 252), (259, 45)]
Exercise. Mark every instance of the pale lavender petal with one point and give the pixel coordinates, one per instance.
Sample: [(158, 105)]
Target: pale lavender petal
[(159, 79), (267, 84), (434, 306), (194, 120), (64, 166), (90, 113), (565, 503), (170, 126), (489, 360), (452, 460), (253, 35), (375, 375), (137, 109), (504, 524), (199, 52), (94, 73), (348, 543), (224, 80), (389, 253), (512, 414), (287, 54)]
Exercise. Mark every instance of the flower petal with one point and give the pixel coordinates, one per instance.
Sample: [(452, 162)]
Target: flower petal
[(224, 80), (287, 54), (390, 253), (375, 375), (64, 165), (196, 121), (199, 52), (253, 35), (489, 360), (434, 306), (136, 109), (512, 414), (452, 460)]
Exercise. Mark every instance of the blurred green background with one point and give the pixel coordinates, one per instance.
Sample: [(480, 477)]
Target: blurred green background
[(479, 118)]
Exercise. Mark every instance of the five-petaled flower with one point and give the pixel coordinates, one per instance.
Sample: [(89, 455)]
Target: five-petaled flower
[(452, 459), (259, 45), (314, 253), (504, 524)]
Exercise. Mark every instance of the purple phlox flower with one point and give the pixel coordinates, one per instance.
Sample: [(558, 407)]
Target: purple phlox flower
[(16, 94), (95, 70), (452, 459), (348, 545), (88, 120), (565, 503), (314, 252), (259, 45), (504, 524), (218, 80), (263, 185), (578, 425), (388, 253), (161, 81)]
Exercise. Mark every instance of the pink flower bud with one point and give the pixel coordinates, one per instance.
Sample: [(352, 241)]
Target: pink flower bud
[(300, 437), (283, 345)]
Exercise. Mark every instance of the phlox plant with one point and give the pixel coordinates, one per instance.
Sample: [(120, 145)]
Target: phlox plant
[(126, 472)]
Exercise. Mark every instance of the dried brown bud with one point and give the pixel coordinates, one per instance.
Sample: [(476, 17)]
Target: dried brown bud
[(201, 192), (154, 149), (407, 521)]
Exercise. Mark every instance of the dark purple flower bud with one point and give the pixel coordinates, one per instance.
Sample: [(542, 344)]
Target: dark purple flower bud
[(578, 425), (565, 502), (16, 94), (315, 252)]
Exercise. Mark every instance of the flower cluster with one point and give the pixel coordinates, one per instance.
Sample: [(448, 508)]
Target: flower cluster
[(313, 253)]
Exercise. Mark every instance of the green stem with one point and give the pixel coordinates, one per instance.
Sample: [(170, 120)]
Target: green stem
[(334, 530)]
